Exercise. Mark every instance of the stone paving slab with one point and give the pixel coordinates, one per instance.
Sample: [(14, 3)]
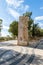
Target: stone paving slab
[(9, 43), (40, 46), (38, 60), (19, 55), (24, 50)]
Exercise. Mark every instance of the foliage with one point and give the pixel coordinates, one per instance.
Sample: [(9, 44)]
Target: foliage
[(33, 29), (41, 32), (28, 14), (6, 38), (13, 28), (1, 39), (0, 26), (30, 22)]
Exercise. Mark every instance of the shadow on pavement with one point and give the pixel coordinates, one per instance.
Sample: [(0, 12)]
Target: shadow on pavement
[(11, 57), (38, 45)]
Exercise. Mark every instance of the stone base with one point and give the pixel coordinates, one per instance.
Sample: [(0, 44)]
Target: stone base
[(24, 43)]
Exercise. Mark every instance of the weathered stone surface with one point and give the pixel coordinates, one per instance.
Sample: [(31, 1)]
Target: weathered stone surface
[(23, 30)]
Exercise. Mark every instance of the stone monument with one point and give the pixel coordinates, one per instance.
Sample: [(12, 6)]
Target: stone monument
[(23, 30)]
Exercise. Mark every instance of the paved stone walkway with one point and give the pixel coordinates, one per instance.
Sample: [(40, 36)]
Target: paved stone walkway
[(18, 55)]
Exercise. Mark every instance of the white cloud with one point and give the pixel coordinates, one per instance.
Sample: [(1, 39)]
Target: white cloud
[(5, 33), (41, 24), (26, 7), (39, 18), (10, 2), (18, 3), (41, 7), (18, 6), (15, 3), (14, 13), (5, 27)]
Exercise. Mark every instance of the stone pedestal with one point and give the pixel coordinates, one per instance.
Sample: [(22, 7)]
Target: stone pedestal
[(23, 30)]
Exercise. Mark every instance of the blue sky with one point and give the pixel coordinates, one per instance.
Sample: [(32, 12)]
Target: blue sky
[(10, 10)]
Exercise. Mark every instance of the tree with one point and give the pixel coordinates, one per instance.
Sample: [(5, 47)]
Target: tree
[(0, 26), (41, 32), (28, 14), (35, 30), (13, 28), (30, 22)]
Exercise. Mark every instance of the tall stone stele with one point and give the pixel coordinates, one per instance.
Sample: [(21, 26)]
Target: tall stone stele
[(23, 30)]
